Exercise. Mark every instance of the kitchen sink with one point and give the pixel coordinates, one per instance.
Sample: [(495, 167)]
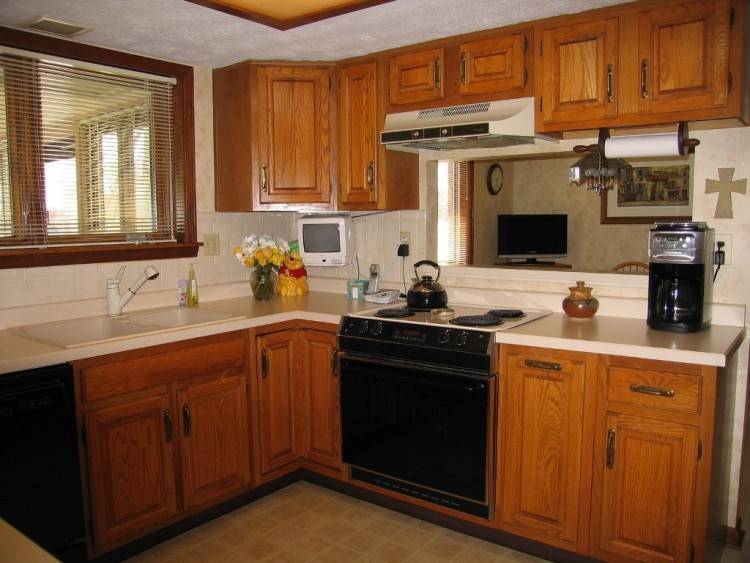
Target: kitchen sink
[(91, 330), (173, 318)]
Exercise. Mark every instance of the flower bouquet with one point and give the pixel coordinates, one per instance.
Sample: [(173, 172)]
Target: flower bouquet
[(264, 254)]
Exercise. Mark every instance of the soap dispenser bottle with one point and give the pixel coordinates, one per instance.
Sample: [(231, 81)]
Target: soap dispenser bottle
[(192, 288)]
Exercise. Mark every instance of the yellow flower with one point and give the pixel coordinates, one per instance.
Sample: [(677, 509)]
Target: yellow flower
[(276, 259), (267, 252), (248, 261), (238, 250)]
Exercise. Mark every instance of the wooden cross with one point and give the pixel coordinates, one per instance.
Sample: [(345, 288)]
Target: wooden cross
[(725, 187)]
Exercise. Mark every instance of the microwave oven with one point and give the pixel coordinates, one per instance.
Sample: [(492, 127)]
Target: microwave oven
[(325, 239)]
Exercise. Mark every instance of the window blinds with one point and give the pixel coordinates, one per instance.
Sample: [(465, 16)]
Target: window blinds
[(455, 200), (86, 154)]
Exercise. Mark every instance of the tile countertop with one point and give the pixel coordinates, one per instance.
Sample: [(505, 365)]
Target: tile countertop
[(606, 335)]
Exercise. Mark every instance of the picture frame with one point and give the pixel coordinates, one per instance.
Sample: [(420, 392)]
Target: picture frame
[(657, 191)]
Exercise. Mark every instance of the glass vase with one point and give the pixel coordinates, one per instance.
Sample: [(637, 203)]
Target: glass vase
[(263, 284)]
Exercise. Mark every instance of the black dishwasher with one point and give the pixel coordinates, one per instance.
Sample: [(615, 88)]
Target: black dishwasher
[(40, 484)]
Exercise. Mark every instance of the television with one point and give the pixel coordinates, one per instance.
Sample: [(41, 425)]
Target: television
[(530, 237), (325, 239)]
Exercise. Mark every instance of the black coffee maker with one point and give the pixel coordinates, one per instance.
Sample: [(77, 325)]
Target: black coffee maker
[(680, 280)]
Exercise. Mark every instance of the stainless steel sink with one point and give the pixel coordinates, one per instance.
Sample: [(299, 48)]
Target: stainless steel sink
[(91, 330)]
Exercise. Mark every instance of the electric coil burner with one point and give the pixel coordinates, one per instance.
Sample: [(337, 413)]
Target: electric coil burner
[(416, 400)]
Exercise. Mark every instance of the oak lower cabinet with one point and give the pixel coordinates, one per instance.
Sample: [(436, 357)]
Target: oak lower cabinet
[(297, 402), (545, 445), (164, 434), (652, 460)]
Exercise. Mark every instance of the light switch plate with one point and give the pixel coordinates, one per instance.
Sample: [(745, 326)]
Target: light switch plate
[(211, 244)]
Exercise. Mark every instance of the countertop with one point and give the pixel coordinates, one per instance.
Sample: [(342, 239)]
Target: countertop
[(606, 335)]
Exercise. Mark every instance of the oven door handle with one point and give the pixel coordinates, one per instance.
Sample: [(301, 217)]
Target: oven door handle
[(466, 388)]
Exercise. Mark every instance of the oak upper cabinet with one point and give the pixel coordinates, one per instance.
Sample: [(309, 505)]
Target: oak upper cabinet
[(358, 134), (278, 389), (545, 445), (577, 68), (684, 56), (652, 460), (215, 450), (416, 77), (324, 411), (132, 467), (293, 135), (370, 177), (494, 66)]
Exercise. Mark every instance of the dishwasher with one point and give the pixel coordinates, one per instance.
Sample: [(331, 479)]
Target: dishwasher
[(40, 483)]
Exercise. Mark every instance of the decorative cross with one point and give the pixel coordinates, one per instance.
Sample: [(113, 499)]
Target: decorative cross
[(725, 187)]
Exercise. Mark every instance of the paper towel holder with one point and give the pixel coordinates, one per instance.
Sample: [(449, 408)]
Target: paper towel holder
[(685, 144)]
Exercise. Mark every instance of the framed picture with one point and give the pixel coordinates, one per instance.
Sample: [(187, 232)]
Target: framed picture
[(655, 191)]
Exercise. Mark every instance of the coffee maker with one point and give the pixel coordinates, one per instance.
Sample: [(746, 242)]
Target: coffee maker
[(680, 277)]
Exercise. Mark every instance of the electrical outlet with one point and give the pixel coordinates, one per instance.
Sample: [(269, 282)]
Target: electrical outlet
[(727, 240), (405, 237), (211, 244)]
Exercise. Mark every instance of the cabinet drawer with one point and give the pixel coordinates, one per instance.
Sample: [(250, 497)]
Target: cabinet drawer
[(129, 371), (657, 389)]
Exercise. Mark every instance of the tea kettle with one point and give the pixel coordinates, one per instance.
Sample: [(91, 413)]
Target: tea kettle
[(426, 293)]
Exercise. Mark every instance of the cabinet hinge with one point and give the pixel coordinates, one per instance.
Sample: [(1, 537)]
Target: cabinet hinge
[(84, 438), (330, 83), (700, 448), (730, 81), (525, 44), (525, 76), (692, 553), (731, 16), (541, 47), (541, 104)]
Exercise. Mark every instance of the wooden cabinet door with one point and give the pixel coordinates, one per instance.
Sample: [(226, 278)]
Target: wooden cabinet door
[(545, 447), (323, 393), (647, 485), (684, 56), (293, 132), (416, 77), (131, 467), (577, 71), (493, 66), (215, 448), (277, 383), (358, 134)]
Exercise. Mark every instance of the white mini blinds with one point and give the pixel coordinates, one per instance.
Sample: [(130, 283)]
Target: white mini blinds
[(86, 154)]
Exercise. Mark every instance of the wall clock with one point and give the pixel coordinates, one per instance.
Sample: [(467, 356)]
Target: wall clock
[(495, 179)]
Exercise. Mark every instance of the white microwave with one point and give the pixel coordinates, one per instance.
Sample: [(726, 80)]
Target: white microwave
[(325, 239)]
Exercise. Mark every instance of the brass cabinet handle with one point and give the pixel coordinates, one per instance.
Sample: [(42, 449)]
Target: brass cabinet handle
[(644, 78), (187, 420), (610, 83), (168, 429), (436, 73), (648, 390), (462, 68), (263, 177), (542, 365), (264, 363), (335, 363), (611, 444), (371, 175)]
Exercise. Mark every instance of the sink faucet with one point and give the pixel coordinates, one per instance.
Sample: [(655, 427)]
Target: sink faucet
[(115, 301)]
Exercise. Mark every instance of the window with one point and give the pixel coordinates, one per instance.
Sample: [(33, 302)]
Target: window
[(95, 161), (455, 201)]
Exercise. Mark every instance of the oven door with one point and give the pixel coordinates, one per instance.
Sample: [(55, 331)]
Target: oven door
[(420, 430)]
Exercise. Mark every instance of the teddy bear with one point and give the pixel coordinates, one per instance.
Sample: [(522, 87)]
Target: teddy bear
[(292, 276)]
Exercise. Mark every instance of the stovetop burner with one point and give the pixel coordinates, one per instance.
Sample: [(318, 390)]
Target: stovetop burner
[(477, 320), (506, 313), (395, 313)]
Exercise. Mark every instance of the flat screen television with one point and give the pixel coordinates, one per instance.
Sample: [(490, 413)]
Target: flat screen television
[(530, 237)]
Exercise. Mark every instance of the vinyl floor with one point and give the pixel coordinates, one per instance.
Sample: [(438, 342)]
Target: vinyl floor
[(304, 522)]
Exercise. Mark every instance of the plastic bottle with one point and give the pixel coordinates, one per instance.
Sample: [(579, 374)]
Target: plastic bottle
[(192, 289), (182, 287)]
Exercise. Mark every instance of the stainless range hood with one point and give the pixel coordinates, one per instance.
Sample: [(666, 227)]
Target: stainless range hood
[(482, 125)]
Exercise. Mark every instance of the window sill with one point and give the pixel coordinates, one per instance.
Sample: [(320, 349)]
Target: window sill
[(58, 256)]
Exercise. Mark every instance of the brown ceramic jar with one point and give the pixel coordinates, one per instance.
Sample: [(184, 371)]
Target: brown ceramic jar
[(579, 304)]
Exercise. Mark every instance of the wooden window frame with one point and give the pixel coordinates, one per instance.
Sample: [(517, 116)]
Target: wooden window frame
[(184, 139)]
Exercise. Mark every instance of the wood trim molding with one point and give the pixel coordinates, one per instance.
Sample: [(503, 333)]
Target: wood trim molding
[(187, 244), (284, 24)]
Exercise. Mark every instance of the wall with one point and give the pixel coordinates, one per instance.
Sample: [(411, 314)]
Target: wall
[(486, 209)]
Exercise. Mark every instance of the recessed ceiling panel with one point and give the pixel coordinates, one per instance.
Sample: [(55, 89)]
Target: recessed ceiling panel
[(287, 13)]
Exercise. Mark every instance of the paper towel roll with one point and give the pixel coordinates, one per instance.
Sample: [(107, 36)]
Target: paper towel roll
[(666, 144)]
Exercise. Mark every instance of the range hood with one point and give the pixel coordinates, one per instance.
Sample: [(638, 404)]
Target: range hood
[(483, 125)]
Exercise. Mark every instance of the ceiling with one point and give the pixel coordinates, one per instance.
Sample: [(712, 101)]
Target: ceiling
[(185, 32)]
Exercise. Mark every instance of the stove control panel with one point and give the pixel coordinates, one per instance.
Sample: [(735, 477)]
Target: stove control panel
[(430, 336)]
